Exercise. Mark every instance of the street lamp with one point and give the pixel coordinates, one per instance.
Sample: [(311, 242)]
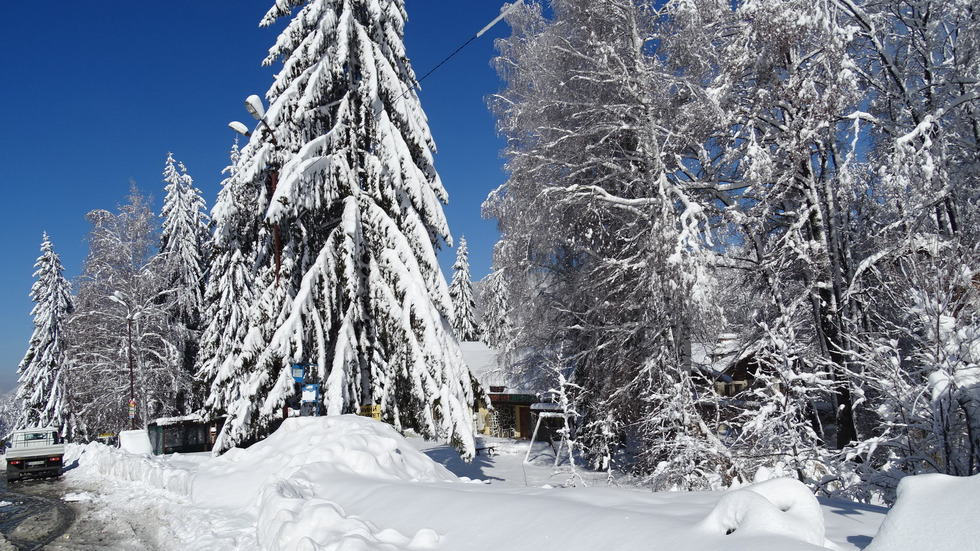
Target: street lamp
[(253, 104), (130, 317)]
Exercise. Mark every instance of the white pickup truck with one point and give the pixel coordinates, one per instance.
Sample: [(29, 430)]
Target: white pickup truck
[(34, 452)]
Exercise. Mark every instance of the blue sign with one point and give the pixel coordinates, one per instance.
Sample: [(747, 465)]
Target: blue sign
[(299, 373)]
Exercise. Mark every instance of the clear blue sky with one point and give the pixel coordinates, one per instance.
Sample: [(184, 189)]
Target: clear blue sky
[(96, 93)]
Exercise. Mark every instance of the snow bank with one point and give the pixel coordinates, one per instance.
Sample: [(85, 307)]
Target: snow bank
[(335, 444), (932, 511), (135, 441), (284, 476), (352, 483), (291, 518), (144, 468), (781, 506)]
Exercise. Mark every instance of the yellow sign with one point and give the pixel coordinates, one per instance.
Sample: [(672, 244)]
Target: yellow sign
[(371, 411)]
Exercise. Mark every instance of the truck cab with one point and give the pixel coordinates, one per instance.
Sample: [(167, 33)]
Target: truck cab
[(34, 452)]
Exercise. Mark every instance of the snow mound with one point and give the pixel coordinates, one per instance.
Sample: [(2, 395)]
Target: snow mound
[(932, 511), (144, 468), (290, 518), (135, 441), (332, 445), (778, 507)]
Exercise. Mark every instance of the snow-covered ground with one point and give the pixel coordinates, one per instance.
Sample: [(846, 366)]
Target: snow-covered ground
[(350, 483)]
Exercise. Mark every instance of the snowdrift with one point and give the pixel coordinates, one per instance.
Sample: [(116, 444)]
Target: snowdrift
[(136, 467), (331, 445), (349, 482), (932, 511)]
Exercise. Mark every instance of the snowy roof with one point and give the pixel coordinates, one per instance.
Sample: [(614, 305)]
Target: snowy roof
[(192, 418), (483, 363), (716, 358)]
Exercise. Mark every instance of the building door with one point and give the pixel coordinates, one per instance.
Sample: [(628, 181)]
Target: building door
[(524, 421)]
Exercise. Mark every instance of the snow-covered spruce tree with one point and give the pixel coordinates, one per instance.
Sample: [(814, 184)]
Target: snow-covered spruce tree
[(228, 291), (122, 322), (496, 321), (181, 263), (461, 295), (10, 412), (42, 390), (352, 217), (604, 243)]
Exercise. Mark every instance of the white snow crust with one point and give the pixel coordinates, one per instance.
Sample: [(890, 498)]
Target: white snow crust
[(932, 511), (348, 482), (135, 441)]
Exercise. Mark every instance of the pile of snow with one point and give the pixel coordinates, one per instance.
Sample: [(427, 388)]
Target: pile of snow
[(135, 441), (136, 467), (321, 447), (351, 482), (932, 511), (781, 506)]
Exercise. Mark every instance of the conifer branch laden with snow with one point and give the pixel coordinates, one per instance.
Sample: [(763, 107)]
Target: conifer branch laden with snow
[(43, 382), (181, 261), (348, 218), (461, 295), (229, 288)]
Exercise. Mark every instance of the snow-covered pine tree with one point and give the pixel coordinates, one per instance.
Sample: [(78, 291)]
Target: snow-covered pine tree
[(495, 325), (229, 289), (351, 220), (10, 411), (461, 294), (42, 390), (181, 262)]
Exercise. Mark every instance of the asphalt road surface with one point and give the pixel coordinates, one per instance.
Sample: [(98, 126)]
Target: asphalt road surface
[(35, 516), (33, 513)]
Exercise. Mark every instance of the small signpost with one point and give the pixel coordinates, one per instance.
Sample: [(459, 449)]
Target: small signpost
[(310, 401), (371, 410), (132, 409), (309, 389)]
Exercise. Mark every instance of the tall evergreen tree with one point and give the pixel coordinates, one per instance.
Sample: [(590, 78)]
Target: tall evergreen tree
[(182, 255), (496, 323), (42, 388), (351, 217), (229, 288), (461, 294)]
